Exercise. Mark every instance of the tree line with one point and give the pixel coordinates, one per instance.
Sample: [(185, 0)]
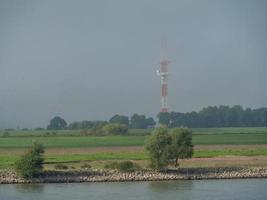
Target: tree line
[(208, 117), (136, 121), (216, 116)]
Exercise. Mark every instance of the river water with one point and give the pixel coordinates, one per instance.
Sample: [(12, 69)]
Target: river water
[(238, 189)]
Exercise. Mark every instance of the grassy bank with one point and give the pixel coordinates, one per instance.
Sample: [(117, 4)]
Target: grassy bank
[(7, 161), (136, 132), (94, 141), (66, 140)]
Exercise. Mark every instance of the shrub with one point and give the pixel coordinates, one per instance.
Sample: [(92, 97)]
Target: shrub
[(60, 166), (6, 134), (158, 147), (86, 166), (165, 146), (115, 129), (124, 166), (30, 163)]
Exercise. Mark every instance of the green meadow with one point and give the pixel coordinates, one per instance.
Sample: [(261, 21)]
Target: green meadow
[(69, 139)]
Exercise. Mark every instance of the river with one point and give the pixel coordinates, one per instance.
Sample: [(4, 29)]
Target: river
[(238, 189)]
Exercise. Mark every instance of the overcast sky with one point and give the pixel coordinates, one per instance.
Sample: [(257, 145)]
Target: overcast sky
[(88, 60)]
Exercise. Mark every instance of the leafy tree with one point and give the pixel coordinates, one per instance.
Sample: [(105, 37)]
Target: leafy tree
[(30, 163), (86, 125), (150, 122), (164, 118), (115, 129), (214, 116), (158, 147), (119, 119), (57, 123), (141, 122), (164, 146), (138, 121), (181, 144)]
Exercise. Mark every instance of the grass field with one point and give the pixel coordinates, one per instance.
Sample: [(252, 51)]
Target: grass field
[(69, 147), (140, 132), (94, 141), (8, 160)]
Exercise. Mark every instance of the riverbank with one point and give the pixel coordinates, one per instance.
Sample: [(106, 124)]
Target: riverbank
[(10, 177)]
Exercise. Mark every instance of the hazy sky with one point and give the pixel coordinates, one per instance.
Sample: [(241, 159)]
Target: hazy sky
[(92, 59)]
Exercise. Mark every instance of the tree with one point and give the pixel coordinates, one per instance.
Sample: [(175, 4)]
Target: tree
[(150, 122), (158, 147), (181, 144), (119, 119), (57, 123), (216, 116), (30, 163), (164, 146), (115, 129), (141, 122), (164, 118), (138, 121)]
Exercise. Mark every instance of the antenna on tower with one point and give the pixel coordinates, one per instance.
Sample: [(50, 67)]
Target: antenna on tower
[(163, 74)]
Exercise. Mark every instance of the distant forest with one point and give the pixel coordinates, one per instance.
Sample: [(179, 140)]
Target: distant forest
[(216, 116), (208, 117)]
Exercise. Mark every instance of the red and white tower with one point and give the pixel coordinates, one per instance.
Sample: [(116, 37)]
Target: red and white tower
[(163, 74)]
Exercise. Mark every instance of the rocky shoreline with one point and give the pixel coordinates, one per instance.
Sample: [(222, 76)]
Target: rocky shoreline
[(10, 177)]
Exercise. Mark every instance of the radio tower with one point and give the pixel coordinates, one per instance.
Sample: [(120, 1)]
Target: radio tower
[(163, 74)]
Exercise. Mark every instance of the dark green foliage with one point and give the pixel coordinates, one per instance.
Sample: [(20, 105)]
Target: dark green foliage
[(164, 146), (150, 122), (86, 125), (61, 166), (6, 134), (124, 166), (214, 116), (115, 129), (181, 145), (119, 119), (164, 118), (158, 147), (30, 163), (136, 122), (57, 123), (141, 122)]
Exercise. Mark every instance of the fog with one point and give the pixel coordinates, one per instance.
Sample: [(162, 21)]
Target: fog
[(93, 59)]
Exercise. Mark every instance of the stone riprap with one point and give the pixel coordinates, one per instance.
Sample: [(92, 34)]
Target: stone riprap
[(10, 177)]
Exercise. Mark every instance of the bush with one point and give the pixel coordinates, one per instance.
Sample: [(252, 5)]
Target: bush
[(125, 166), (30, 163), (6, 134), (86, 166), (158, 147), (115, 129), (164, 146), (60, 166)]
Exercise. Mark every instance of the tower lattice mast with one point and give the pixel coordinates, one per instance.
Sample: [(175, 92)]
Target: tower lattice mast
[(163, 74)]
